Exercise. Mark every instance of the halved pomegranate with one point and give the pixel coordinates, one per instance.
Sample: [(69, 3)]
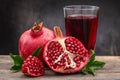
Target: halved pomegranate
[(65, 54)]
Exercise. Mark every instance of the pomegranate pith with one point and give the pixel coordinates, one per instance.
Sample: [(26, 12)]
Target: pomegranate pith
[(65, 54)]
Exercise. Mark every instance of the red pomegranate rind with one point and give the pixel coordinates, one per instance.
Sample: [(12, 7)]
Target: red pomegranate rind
[(32, 66), (66, 55)]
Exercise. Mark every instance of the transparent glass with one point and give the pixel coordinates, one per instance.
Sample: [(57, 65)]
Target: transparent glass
[(81, 21)]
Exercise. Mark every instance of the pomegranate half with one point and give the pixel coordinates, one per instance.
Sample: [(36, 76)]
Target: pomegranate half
[(65, 54), (31, 39)]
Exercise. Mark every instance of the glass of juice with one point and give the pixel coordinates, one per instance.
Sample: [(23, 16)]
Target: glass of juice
[(81, 21)]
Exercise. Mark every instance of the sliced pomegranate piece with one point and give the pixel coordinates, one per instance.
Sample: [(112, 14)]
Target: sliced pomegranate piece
[(65, 54), (32, 66)]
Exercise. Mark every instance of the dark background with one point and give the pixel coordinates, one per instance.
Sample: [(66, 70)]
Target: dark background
[(16, 16)]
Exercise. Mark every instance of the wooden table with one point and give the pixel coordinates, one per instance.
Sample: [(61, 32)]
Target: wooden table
[(111, 71)]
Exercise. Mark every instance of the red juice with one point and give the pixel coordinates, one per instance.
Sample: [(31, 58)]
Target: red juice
[(83, 27)]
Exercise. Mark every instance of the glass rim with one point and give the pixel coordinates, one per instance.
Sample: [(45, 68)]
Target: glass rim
[(81, 7)]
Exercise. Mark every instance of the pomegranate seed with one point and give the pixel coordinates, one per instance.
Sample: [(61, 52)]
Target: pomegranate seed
[(78, 64), (59, 63), (83, 59), (53, 57), (72, 48), (67, 41), (74, 41), (78, 49), (71, 42), (67, 48), (77, 52), (74, 52), (55, 66), (78, 46), (73, 45), (75, 48), (70, 51)]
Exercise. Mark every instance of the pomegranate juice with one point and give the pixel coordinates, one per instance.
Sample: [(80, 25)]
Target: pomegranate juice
[(83, 27)]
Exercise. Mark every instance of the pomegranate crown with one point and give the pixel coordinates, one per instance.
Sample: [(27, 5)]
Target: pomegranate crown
[(58, 31), (37, 27)]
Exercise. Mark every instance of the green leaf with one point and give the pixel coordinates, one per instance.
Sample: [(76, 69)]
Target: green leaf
[(15, 68), (93, 65), (91, 59), (37, 51), (92, 71), (98, 65), (93, 56), (18, 61), (85, 71)]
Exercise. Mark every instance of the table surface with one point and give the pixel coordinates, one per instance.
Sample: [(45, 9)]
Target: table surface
[(111, 71)]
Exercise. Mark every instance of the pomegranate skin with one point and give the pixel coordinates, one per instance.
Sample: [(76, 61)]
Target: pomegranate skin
[(30, 40)]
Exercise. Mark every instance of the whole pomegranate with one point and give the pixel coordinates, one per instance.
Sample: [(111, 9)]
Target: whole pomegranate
[(65, 54), (31, 39)]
